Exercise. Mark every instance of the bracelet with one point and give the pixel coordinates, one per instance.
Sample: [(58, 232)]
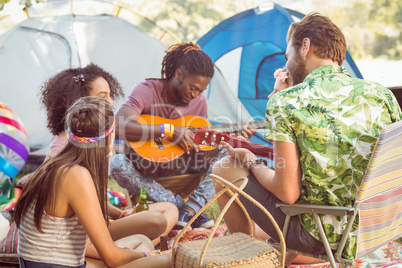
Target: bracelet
[(162, 130), (145, 255), (154, 253), (123, 214), (256, 162), (167, 130), (171, 130)]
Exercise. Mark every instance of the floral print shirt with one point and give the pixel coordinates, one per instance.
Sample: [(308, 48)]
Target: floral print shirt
[(335, 121)]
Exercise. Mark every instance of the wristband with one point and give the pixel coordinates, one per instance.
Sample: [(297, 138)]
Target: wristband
[(171, 130), (145, 255), (162, 131), (167, 129)]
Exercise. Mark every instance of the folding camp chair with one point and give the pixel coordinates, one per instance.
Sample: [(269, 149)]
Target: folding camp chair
[(378, 204)]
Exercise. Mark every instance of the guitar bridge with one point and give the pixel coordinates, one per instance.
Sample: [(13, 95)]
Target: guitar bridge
[(158, 142)]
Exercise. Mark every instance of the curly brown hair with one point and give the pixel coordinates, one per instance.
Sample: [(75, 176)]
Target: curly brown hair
[(61, 91)]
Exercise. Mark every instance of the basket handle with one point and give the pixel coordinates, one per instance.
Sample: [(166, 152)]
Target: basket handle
[(226, 187)]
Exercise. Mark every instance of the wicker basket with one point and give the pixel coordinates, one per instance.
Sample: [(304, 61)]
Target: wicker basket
[(235, 250)]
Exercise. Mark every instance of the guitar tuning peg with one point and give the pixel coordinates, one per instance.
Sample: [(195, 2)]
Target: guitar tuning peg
[(220, 146), (212, 144), (206, 134), (222, 138), (204, 142), (214, 136)]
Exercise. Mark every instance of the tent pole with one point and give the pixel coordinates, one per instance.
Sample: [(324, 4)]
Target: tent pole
[(25, 9), (160, 38)]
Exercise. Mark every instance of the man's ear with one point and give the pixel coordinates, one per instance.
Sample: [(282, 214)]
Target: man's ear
[(179, 74), (305, 48)]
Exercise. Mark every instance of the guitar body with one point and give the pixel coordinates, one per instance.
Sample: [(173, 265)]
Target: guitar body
[(161, 157)]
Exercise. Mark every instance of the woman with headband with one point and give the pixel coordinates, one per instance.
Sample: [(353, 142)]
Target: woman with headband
[(65, 200), (57, 95)]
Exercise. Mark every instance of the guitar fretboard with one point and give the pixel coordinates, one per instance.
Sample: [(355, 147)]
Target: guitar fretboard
[(228, 128)]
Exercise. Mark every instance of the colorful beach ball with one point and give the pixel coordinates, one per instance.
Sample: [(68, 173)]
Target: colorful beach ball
[(14, 143)]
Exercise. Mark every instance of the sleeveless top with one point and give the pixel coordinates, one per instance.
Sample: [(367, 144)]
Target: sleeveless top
[(62, 242)]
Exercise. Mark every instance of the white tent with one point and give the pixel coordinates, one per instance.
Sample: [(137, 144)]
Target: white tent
[(38, 48)]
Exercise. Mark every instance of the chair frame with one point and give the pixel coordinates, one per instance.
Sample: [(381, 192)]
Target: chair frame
[(316, 210), (352, 212)]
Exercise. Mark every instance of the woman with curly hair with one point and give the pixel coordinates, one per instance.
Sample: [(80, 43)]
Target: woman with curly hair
[(58, 94), (66, 87)]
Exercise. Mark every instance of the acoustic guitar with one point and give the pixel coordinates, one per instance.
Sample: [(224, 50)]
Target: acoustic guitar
[(158, 157)]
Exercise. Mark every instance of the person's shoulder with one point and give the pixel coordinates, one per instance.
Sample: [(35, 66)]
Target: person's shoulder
[(288, 93), (148, 86), (154, 83), (76, 180), (370, 86), (78, 173), (202, 98)]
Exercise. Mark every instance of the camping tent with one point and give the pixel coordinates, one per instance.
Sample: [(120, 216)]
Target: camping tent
[(38, 48), (247, 48)]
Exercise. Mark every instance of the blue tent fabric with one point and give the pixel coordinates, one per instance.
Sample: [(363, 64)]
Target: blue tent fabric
[(261, 37)]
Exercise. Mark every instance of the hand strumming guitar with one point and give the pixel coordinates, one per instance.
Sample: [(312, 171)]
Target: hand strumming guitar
[(184, 138)]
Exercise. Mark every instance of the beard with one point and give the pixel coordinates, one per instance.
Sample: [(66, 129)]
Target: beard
[(179, 99), (297, 70)]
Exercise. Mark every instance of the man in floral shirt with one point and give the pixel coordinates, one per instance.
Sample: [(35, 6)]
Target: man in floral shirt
[(323, 128)]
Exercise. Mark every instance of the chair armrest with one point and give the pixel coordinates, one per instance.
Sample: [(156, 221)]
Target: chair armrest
[(301, 208)]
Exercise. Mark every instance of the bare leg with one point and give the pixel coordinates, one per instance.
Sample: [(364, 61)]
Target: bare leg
[(156, 261), (229, 169), (140, 243), (171, 214), (143, 244), (134, 242), (306, 260), (258, 232), (156, 222)]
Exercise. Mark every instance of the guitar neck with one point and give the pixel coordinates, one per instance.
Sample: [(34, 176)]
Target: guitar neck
[(229, 128), (213, 138)]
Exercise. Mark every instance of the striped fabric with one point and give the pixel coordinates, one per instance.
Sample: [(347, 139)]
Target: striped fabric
[(380, 195), (62, 242)]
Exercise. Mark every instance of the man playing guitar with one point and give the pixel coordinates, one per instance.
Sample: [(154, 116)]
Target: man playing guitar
[(186, 73)]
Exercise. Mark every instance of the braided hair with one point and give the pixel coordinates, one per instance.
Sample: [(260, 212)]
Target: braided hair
[(188, 57), (90, 117)]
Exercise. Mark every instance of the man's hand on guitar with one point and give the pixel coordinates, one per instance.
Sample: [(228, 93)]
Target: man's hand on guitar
[(184, 138)]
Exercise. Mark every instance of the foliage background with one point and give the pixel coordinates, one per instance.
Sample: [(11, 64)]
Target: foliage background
[(373, 28)]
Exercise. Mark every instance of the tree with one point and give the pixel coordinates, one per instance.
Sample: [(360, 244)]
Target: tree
[(22, 2), (189, 20)]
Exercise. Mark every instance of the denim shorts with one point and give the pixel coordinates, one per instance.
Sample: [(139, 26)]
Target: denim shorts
[(32, 264), (298, 237)]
